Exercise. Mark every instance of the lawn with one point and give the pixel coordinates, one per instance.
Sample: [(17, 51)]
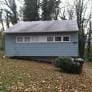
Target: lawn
[(29, 76)]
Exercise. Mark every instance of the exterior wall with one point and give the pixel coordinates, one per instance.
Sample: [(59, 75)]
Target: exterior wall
[(41, 49)]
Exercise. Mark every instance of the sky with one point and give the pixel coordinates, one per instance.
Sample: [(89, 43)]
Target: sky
[(19, 3)]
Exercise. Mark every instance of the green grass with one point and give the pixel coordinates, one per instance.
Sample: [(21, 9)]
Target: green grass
[(30, 76)]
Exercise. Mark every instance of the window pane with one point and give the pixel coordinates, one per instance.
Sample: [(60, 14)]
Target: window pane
[(49, 38), (66, 38), (35, 39), (57, 38), (20, 39), (27, 39)]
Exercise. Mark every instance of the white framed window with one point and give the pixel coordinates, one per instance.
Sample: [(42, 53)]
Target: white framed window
[(66, 38), (35, 39), (50, 39), (27, 39), (19, 39), (58, 38)]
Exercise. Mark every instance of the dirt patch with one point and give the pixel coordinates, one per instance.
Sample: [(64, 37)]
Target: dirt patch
[(88, 69)]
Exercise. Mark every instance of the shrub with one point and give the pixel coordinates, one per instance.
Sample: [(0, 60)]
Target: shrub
[(67, 65)]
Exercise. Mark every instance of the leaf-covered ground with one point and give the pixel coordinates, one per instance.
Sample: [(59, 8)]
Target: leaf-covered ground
[(29, 76), (88, 69)]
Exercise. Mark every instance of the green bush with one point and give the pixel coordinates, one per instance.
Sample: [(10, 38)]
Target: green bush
[(67, 65)]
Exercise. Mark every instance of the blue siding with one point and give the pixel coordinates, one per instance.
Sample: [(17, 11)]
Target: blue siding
[(41, 49)]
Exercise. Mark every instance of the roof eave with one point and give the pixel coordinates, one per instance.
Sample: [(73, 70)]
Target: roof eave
[(43, 32)]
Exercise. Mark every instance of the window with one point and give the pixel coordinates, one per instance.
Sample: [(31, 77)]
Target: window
[(27, 39), (34, 39), (66, 38), (58, 39), (19, 39), (50, 38)]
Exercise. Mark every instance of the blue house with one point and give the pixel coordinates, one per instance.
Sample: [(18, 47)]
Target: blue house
[(42, 38)]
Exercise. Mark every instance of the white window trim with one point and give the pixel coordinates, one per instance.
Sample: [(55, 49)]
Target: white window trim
[(24, 39), (50, 41), (45, 41), (58, 41), (18, 41), (66, 36)]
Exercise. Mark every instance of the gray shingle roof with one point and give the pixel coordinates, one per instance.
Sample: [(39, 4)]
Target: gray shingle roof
[(44, 26)]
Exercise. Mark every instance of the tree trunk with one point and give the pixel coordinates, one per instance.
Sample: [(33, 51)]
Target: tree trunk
[(89, 42), (2, 25), (7, 20)]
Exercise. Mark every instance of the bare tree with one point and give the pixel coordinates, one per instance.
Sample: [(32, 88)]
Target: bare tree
[(89, 40), (7, 19), (10, 10), (70, 13), (13, 14), (1, 20), (81, 9), (62, 14)]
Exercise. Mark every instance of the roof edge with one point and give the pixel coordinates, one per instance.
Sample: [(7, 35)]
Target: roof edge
[(41, 32)]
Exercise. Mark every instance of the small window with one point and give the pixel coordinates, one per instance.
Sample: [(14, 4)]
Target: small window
[(27, 39), (58, 39), (50, 38), (66, 38), (19, 39)]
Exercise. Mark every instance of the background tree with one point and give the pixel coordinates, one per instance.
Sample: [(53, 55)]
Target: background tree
[(89, 40), (12, 14), (79, 11), (81, 8), (1, 20), (31, 10), (63, 14), (10, 11), (1, 30), (70, 13), (50, 9), (7, 19)]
